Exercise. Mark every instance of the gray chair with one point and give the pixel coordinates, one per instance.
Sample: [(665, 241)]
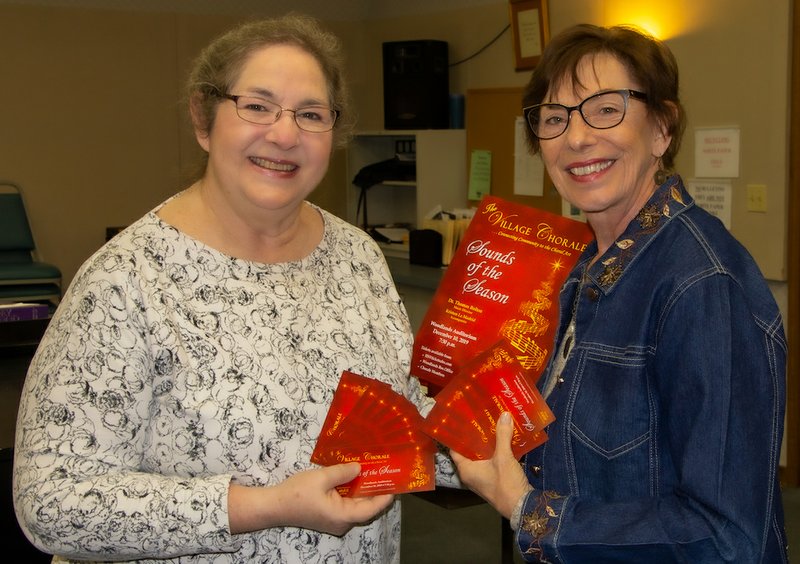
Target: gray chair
[(23, 278)]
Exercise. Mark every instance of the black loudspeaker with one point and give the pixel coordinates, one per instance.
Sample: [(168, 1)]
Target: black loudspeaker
[(415, 85)]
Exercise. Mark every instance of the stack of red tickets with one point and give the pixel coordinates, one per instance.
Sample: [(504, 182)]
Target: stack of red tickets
[(464, 417), (370, 423)]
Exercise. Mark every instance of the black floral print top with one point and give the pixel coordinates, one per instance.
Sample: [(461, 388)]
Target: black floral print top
[(170, 369)]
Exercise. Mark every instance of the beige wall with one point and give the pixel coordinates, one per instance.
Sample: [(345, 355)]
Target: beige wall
[(92, 126), (89, 121), (733, 57)]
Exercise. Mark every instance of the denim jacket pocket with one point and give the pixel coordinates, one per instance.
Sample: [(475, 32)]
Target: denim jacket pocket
[(612, 420)]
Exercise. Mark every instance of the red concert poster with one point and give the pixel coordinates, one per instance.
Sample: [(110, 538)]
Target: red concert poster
[(502, 283)]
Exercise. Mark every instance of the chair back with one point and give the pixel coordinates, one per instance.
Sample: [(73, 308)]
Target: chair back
[(23, 277), (16, 238)]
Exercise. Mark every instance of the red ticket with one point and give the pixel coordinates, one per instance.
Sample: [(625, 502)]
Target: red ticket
[(349, 390), (370, 423), (492, 383), (391, 469)]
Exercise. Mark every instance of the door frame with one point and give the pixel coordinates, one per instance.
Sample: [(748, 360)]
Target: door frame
[(790, 474)]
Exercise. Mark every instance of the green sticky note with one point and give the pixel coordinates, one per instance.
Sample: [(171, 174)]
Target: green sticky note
[(480, 174)]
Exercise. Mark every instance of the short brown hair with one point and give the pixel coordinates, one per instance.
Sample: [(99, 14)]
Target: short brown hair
[(648, 60)]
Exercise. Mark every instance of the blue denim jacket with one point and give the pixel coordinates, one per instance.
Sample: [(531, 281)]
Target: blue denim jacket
[(669, 408)]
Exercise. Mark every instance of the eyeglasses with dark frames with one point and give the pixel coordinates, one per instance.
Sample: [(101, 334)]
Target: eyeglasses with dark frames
[(603, 110), (253, 109)]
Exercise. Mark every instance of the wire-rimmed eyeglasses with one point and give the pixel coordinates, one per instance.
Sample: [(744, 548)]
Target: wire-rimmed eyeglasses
[(603, 110), (316, 119)]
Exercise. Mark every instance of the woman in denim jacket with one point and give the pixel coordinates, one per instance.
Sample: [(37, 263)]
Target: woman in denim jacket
[(668, 376)]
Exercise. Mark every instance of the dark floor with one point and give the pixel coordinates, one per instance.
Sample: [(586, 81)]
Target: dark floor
[(467, 535), (432, 534)]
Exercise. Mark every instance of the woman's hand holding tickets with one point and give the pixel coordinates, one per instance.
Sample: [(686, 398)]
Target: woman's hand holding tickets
[(308, 499), (499, 480)]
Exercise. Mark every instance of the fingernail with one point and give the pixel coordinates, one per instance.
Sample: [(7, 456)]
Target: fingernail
[(505, 417)]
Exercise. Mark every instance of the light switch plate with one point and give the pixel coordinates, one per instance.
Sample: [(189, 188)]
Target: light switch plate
[(757, 198)]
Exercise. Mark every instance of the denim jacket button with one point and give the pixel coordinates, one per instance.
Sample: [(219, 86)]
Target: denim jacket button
[(592, 294)]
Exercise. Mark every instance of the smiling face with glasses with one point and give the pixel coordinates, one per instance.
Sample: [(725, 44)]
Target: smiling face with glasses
[(271, 140), (599, 142)]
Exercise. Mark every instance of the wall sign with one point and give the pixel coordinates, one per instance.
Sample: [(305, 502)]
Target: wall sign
[(530, 31), (716, 152)]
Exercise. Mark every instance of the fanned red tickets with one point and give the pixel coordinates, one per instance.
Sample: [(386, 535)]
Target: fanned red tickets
[(370, 423), (348, 392), (503, 281), (464, 417)]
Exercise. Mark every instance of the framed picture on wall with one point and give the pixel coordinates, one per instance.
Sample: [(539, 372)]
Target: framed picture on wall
[(530, 31)]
